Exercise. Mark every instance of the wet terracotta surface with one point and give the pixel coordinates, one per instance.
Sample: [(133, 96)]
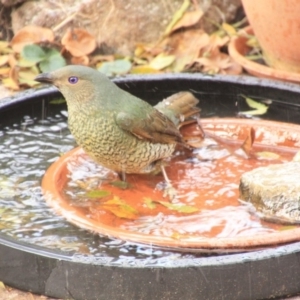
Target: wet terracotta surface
[(207, 212)]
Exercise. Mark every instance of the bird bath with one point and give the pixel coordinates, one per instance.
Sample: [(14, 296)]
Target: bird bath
[(43, 253)]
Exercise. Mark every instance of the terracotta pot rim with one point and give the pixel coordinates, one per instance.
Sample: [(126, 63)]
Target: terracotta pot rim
[(254, 68), (54, 198)]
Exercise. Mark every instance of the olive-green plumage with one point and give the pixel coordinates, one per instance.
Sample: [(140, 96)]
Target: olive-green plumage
[(115, 128)]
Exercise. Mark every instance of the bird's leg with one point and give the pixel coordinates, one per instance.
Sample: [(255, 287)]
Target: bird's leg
[(123, 176), (169, 190)]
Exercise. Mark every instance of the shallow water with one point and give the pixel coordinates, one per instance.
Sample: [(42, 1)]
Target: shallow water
[(28, 146)]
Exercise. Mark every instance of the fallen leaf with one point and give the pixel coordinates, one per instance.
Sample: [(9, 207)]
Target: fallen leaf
[(24, 63), (26, 76), (10, 83), (12, 61), (229, 29), (120, 184), (31, 35), (3, 60), (177, 16), (149, 203), (267, 155), (120, 208), (248, 143), (119, 66), (186, 47), (4, 71), (219, 63), (144, 69), (260, 108), (97, 194), (52, 61), (78, 42), (33, 53), (179, 207), (161, 61), (58, 101), (190, 18)]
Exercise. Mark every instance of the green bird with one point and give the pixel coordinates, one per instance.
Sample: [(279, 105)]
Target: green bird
[(116, 129)]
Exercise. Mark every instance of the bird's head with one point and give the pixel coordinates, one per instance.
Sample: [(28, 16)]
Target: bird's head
[(78, 84)]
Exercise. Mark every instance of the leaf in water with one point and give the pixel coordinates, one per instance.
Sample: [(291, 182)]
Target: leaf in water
[(248, 143), (287, 227), (120, 184), (119, 66), (177, 16), (161, 61), (149, 203), (260, 108), (179, 207), (267, 155), (97, 194), (52, 62), (33, 53), (120, 208), (58, 101)]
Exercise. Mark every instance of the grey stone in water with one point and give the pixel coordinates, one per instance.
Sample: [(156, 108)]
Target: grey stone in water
[(274, 191)]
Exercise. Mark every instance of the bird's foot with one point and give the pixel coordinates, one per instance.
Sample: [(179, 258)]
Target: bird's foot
[(170, 191)]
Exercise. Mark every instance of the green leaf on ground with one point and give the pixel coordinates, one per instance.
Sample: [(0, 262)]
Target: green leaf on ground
[(116, 67), (52, 61), (33, 53)]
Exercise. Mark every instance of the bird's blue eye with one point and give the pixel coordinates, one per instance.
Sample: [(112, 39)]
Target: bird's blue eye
[(73, 79)]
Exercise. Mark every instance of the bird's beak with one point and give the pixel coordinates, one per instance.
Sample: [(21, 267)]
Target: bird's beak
[(44, 77)]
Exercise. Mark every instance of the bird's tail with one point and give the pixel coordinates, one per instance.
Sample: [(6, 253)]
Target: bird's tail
[(182, 109)]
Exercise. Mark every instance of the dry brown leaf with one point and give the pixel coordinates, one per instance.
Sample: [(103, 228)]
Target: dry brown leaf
[(31, 35), (78, 42), (248, 143), (219, 63), (80, 60), (186, 47), (189, 19), (12, 61), (215, 43)]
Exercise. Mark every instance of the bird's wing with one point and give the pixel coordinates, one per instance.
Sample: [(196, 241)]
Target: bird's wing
[(155, 127)]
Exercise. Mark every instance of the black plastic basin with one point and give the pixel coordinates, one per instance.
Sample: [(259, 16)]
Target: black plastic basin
[(264, 274)]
